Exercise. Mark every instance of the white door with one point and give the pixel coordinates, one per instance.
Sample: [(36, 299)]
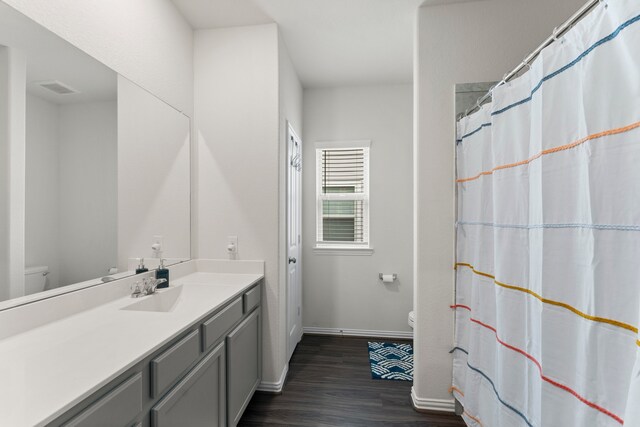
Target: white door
[(294, 252)]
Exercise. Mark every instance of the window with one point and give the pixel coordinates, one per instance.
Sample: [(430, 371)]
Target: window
[(342, 195)]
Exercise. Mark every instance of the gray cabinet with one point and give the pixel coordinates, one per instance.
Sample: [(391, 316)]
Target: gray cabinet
[(205, 377), (243, 365), (215, 328), (198, 400), (167, 368), (251, 299), (118, 407)]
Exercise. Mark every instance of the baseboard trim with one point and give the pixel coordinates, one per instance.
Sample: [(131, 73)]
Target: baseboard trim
[(432, 405), (274, 387), (357, 333)]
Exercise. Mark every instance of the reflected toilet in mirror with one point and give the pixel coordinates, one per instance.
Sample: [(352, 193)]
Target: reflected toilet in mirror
[(35, 279)]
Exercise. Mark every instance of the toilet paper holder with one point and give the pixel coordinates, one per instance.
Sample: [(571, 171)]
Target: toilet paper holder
[(394, 275)]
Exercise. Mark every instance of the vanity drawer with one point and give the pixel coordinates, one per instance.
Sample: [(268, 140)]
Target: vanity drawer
[(251, 299), (199, 399), (118, 408), (166, 368), (214, 328)]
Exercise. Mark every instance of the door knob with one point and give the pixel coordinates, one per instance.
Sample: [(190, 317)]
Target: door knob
[(292, 260)]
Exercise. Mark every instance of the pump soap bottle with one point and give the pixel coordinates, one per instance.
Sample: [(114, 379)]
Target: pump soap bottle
[(162, 273), (141, 268)]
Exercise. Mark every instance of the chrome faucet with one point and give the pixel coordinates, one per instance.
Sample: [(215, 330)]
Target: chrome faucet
[(149, 286)]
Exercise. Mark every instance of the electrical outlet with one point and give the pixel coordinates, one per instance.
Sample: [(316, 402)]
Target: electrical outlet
[(232, 245)]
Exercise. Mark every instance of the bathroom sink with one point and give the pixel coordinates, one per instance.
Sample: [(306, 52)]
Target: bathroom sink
[(164, 300)]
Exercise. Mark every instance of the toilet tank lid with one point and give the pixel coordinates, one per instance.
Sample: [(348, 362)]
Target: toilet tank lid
[(39, 269)]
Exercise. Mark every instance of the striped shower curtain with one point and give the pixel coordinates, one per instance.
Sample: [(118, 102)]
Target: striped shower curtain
[(548, 236)]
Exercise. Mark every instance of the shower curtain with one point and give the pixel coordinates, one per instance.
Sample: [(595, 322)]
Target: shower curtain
[(548, 236)]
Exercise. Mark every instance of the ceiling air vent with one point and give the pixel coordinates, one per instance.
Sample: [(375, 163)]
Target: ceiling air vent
[(57, 87)]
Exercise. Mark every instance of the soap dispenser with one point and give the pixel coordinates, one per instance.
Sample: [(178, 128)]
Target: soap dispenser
[(141, 268), (162, 273)]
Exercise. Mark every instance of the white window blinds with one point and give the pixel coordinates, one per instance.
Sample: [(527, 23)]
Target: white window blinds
[(343, 195)]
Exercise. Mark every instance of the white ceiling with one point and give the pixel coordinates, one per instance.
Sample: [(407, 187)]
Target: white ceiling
[(203, 14), (331, 42), (51, 58)]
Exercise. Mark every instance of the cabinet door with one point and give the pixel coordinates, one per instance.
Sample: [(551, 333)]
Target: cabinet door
[(244, 363), (198, 400)]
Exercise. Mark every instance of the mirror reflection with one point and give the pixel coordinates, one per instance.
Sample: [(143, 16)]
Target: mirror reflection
[(71, 175), (105, 170), (153, 179)]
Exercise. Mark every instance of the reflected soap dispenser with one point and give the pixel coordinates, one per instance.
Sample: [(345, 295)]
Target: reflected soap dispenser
[(162, 273), (141, 268)]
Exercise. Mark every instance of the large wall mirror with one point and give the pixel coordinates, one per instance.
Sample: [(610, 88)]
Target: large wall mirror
[(92, 168)]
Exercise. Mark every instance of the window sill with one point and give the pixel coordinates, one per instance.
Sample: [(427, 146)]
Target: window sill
[(342, 250)]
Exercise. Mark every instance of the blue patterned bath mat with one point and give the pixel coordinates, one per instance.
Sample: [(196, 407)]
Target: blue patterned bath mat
[(391, 361)]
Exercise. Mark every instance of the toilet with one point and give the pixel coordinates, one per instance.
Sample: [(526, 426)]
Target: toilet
[(35, 279), (412, 318)]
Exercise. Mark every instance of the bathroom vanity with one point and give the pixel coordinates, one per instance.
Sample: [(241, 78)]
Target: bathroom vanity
[(188, 355), (104, 175)]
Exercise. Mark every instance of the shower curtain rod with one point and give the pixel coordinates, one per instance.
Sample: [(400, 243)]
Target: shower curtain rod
[(557, 32)]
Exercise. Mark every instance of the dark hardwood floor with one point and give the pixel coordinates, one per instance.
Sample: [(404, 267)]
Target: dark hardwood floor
[(329, 384)]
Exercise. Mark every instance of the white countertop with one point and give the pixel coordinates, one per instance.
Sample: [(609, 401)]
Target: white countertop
[(47, 370)]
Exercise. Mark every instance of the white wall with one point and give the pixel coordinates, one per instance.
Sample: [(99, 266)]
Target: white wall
[(147, 41), (290, 96), (4, 169), (13, 65), (236, 118), (456, 43), (88, 190), (42, 184), (153, 176), (344, 292)]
